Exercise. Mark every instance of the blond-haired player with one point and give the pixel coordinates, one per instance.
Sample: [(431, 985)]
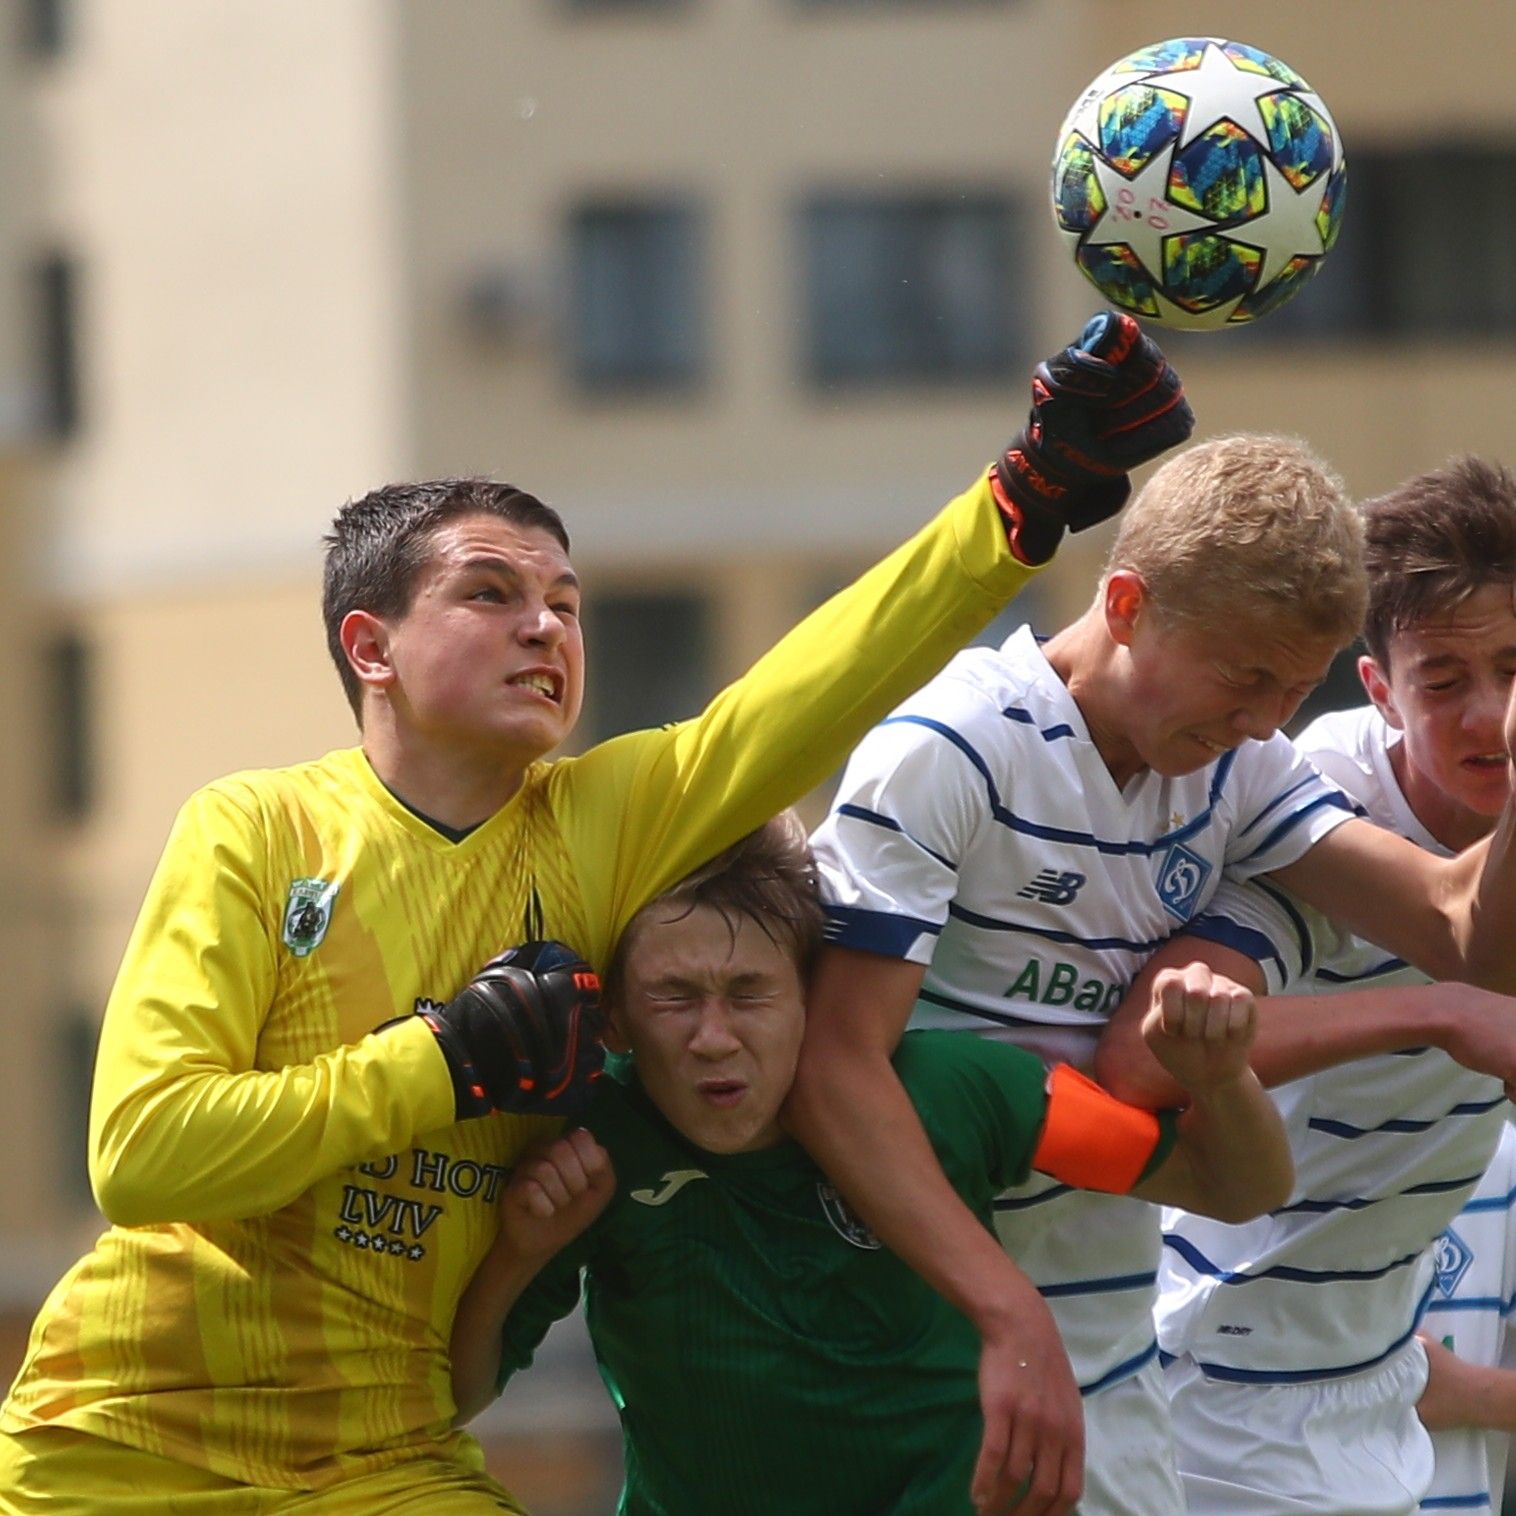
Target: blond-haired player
[(1013, 843), (300, 1189)]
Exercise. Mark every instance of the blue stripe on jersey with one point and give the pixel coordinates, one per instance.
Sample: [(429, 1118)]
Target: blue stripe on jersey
[(1276, 802), (1203, 1265), (1122, 1371), (991, 924), (1302, 931), (873, 818), (1491, 1203), (1243, 939), (1303, 1376), (998, 1018), (1110, 1286), (1401, 1125), (1290, 822), (875, 931), (1026, 718), (1323, 1207), (1480, 1502), (1388, 966), (1474, 1303), (1048, 833), (1026, 1202)]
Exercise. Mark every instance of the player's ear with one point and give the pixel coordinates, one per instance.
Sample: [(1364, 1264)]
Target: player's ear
[(1376, 682), (365, 643), (1123, 597)]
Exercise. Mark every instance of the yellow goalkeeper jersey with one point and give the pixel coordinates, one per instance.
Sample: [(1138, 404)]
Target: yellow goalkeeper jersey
[(295, 1210)]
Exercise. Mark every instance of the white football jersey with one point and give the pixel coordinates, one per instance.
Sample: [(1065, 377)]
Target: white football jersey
[(977, 830), (1386, 1149), (1473, 1295)]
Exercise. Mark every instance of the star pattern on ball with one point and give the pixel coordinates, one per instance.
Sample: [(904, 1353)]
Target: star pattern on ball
[(1218, 90), (1137, 212), (1289, 227)]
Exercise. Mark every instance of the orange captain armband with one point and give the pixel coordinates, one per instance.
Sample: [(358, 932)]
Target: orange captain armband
[(1090, 1139)]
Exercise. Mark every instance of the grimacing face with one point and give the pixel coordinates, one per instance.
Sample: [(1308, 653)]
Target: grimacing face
[(489, 653), (1196, 693), (1445, 689), (714, 1013)]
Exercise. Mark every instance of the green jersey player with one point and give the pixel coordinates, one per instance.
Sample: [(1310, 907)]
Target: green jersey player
[(764, 1352)]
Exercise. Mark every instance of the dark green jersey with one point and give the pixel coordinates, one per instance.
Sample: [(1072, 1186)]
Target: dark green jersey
[(765, 1353)]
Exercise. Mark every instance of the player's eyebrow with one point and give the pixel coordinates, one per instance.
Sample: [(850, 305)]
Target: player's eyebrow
[(495, 564)]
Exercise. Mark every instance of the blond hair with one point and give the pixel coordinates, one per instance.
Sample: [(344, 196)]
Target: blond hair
[(1246, 527)]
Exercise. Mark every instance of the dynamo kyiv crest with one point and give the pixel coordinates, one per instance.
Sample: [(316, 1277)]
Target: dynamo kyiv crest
[(307, 914), (1181, 877), (1451, 1257)]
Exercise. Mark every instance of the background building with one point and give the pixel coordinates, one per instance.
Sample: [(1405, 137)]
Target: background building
[(746, 287)]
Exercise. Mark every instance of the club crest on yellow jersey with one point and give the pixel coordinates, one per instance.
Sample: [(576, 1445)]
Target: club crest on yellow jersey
[(307, 914)]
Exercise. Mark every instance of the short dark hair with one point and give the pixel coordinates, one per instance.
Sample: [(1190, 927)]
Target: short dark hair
[(768, 877), (1433, 541), (379, 543)]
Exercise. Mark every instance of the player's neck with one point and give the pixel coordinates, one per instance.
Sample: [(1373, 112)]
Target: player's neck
[(1082, 656), (458, 789)]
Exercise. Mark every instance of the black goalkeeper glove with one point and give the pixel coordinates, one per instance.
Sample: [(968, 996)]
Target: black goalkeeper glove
[(524, 1034), (1099, 409)]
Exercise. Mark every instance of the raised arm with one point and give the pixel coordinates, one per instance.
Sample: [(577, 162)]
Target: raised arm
[(552, 1196), (672, 799), (851, 1111), (1232, 1156)]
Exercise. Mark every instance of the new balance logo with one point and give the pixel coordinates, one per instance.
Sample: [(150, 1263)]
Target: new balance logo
[(673, 1181), (1052, 887)]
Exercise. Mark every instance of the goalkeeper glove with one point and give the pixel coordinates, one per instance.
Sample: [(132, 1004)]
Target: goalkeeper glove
[(524, 1034), (1099, 408)]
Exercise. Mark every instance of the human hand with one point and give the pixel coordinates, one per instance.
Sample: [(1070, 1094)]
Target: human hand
[(1031, 1459), (1200, 1027), (524, 1034), (1101, 407), (554, 1192)]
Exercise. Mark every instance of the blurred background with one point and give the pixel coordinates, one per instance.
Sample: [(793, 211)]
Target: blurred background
[(744, 287)]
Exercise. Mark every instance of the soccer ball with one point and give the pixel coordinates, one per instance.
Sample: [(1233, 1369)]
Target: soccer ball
[(1199, 182)]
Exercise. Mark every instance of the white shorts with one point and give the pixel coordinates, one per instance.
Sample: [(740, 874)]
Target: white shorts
[(1129, 1450), (1327, 1447)]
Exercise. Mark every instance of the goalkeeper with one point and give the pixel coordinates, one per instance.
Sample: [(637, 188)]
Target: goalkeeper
[(764, 1352), (300, 1173)]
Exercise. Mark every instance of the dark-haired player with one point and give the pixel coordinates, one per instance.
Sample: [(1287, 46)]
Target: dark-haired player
[(301, 1173), (764, 1352)]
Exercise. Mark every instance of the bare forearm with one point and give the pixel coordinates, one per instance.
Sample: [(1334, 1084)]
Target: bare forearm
[(885, 1166), (477, 1328), (1232, 1159)]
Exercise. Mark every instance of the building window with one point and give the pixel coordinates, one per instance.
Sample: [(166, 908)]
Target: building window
[(911, 288), (636, 302), (647, 660), (1424, 251), (77, 1033), (70, 683), (44, 27), (56, 286)]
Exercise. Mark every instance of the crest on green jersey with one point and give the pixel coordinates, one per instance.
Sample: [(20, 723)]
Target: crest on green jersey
[(844, 1222), (307, 914)]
